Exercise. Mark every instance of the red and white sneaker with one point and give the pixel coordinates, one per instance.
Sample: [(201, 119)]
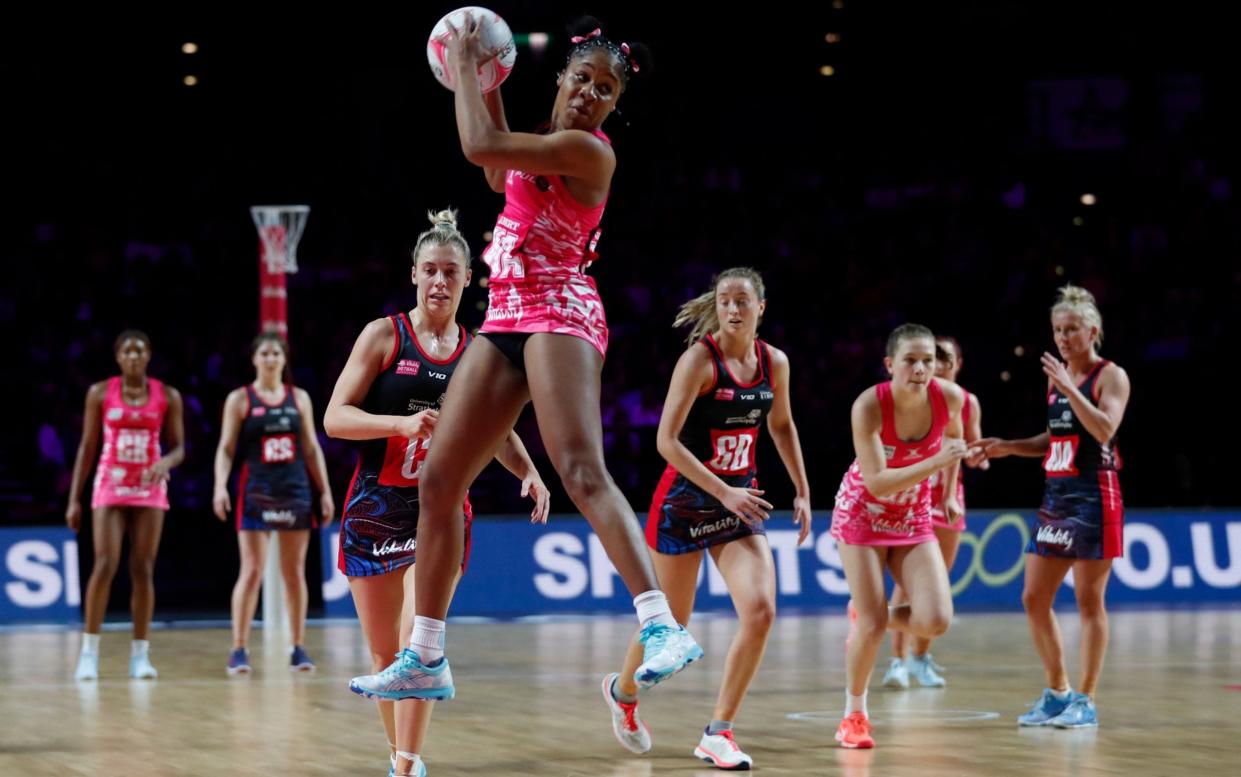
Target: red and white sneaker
[(721, 751), (854, 732), (630, 731)]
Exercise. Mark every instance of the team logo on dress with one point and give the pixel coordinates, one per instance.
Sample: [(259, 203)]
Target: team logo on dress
[(724, 394), (256, 412), (115, 414), (1050, 535), (731, 522), (408, 367), (279, 516), (889, 525), (391, 546)]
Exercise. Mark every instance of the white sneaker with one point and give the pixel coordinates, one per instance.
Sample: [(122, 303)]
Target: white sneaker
[(922, 668), (88, 666), (630, 731), (721, 751), (140, 667), (897, 675)]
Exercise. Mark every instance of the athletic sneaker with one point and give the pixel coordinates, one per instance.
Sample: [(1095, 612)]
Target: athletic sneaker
[(140, 667), (922, 668), (88, 666), (299, 660), (1044, 708), (407, 678), (666, 651), (1079, 714), (721, 751), (854, 732), (239, 661), (897, 675), (630, 731)]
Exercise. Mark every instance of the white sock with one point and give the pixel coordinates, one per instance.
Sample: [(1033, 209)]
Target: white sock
[(139, 647), (1062, 695), (652, 607), (90, 643), (855, 703), (413, 759), (428, 639)]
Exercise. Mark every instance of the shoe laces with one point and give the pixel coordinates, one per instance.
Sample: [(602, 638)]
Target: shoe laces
[(655, 636), (631, 714), (857, 723), (732, 743)]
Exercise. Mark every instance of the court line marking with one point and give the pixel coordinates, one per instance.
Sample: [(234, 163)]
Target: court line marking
[(904, 717)]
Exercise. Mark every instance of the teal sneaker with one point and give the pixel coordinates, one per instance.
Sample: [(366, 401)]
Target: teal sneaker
[(407, 678), (666, 651)]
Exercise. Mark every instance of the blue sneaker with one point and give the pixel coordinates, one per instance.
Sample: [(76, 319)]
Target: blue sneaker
[(239, 661), (1079, 714), (1044, 709), (299, 660), (666, 651), (407, 678), (922, 668)]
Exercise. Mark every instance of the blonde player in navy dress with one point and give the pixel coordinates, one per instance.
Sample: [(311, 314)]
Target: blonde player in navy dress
[(1080, 523), (724, 388), (388, 397), (273, 421), (920, 665)]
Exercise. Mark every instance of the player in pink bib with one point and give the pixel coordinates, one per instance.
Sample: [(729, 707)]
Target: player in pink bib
[(130, 493), (903, 432), (920, 665), (543, 342)]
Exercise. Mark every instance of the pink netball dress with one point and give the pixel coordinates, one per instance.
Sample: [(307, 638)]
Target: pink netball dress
[(542, 244), (130, 447), (938, 519), (903, 518)]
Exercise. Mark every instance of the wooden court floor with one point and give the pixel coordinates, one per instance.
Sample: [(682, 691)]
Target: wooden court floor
[(529, 704)]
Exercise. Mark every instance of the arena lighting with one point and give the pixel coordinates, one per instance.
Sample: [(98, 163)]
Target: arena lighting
[(832, 37), (539, 41), (1006, 376), (190, 80), (1019, 351), (827, 71), (189, 48), (1078, 221), (1059, 269), (1088, 199)]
